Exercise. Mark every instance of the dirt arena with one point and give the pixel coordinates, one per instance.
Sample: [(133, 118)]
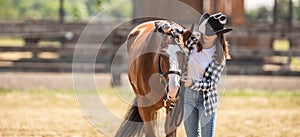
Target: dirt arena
[(44, 105)]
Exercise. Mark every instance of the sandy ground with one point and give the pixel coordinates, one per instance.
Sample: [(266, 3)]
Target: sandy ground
[(54, 114), (43, 115), (55, 81)]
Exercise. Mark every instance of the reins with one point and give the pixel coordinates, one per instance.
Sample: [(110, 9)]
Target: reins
[(171, 31), (177, 106), (178, 110)]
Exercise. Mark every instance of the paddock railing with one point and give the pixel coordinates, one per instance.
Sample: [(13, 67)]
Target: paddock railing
[(49, 47)]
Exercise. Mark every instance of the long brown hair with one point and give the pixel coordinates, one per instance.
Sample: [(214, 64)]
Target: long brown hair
[(221, 52)]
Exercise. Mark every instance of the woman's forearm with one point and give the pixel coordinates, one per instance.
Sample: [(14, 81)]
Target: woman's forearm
[(201, 85)]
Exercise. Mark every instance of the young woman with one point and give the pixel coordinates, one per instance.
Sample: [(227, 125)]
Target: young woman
[(206, 63)]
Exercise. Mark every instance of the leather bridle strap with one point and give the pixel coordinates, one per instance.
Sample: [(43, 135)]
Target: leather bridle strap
[(163, 74), (177, 116)]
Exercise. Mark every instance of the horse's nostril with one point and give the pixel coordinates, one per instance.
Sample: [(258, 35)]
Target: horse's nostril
[(173, 91)]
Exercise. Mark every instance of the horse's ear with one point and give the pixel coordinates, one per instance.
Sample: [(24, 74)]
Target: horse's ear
[(192, 28), (187, 34), (156, 23), (158, 26)]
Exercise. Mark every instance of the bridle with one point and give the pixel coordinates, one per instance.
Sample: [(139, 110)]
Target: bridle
[(162, 74), (169, 29)]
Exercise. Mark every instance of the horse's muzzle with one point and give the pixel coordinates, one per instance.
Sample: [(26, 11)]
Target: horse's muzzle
[(174, 85), (172, 92)]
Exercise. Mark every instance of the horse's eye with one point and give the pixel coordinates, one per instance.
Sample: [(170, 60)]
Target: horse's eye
[(187, 42), (193, 38)]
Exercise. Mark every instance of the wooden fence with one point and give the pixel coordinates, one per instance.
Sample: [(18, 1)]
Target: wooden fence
[(253, 51), (251, 47), (65, 36)]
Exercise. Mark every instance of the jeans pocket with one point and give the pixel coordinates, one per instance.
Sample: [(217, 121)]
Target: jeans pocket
[(189, 97)]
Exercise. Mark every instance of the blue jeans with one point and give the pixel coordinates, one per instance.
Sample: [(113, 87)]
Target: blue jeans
[(195, 121)]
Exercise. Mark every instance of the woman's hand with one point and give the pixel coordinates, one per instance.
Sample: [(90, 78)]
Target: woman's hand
[(187, 82)]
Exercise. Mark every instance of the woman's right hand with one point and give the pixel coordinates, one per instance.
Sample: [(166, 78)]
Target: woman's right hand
[(187, 82)]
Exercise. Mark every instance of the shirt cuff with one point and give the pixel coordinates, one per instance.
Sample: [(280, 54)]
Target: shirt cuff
[(194, 85)]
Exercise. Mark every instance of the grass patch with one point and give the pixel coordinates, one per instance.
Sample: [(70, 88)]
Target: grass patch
[(114, 91), (295, 61), (35, 91), (50, 43), (281, 45), (262, 93), (37, 98), (130, 93), (11, 42), (124, 92), (16, 42)]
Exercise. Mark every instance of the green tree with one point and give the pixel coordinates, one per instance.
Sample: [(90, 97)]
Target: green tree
[(6, 12), (123, 10), (296, 11), (264, 14), (28, 9), (283, 11), (75, 10), (261, 14)]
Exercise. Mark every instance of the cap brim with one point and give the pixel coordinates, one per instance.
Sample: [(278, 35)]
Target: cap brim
[(225, 30)]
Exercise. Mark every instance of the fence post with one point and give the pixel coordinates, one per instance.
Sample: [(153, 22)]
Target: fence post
[(32, 42), (116, 71), (61, 12)]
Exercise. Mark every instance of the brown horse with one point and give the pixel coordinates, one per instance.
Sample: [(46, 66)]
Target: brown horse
[(156, 57)]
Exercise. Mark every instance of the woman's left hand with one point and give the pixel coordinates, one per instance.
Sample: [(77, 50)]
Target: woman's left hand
[(187, 82)]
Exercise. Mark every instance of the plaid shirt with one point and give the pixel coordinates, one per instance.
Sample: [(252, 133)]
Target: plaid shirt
[(208, 86)]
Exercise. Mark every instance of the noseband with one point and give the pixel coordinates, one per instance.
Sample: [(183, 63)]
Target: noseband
[(163, 74)]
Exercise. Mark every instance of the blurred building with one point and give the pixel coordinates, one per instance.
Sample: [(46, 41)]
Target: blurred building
[(161, 8)]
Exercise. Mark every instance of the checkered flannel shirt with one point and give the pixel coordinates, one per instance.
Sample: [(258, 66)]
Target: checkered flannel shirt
[(208, 86)]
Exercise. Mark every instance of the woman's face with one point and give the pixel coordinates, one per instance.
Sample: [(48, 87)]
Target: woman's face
[(208, 39)]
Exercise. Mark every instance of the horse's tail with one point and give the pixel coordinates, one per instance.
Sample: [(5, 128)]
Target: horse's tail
[(132, 124)]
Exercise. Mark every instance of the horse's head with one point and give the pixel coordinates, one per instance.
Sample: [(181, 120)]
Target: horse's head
[(176, 45)]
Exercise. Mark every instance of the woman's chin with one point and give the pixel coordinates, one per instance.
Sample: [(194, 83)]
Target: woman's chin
[(206, 41)]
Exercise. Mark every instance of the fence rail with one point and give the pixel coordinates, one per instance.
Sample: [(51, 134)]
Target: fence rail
[(251, 48)]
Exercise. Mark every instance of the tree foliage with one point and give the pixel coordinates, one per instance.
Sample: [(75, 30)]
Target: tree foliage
[(296, 11), (75, 10), (265, 14), (261, 14)]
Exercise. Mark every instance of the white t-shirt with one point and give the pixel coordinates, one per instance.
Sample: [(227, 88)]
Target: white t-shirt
[(199, 61)]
